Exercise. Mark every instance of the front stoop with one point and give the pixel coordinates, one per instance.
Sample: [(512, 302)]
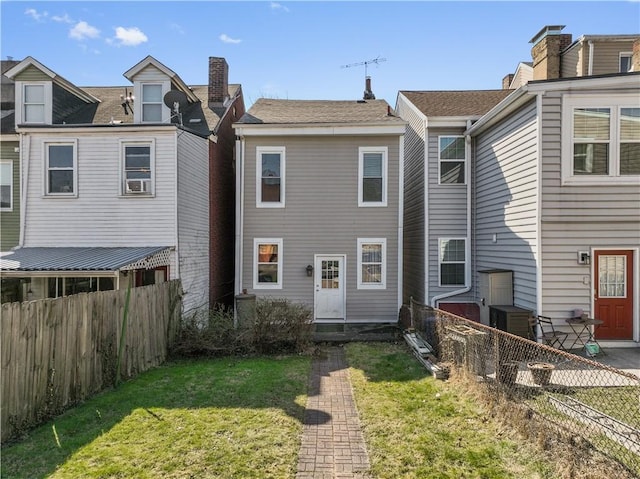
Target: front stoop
[(348, 332)]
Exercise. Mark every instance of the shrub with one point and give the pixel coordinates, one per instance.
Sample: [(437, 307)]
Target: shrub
[(281, 326), (210, 336)]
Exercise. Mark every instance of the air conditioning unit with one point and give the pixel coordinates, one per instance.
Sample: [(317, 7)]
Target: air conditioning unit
[(137, 186)]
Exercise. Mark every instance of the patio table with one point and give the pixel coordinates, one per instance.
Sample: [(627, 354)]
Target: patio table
[(585, 329)]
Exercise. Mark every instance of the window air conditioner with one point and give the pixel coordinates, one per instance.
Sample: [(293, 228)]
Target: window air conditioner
[(137, 186)]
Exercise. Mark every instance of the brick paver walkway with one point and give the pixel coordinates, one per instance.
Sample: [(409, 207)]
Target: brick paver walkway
[(332, 443)]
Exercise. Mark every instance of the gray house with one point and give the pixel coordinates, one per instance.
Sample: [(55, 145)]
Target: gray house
[(319, 206), (557, 200), (438, 209)]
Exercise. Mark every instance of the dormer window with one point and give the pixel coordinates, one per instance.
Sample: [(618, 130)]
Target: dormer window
[(152, 102)]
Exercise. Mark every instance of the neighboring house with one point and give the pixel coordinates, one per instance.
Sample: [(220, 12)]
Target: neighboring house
[(557, 199), (556, 56), (9, 164), (320, 206), (438, 209), (117, 181)]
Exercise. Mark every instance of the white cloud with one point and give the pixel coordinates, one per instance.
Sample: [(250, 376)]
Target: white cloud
[(129, 37), (176, 28), (37, 16), (227, 39), (62, 19), (82, 30), (278, 6)]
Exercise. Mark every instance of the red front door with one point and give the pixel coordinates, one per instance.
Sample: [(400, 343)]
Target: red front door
[(614, 289)]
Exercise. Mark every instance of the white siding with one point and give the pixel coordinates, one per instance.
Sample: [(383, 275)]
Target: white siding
[(193, 219), (414, 194), (321, 216), (506, 202)]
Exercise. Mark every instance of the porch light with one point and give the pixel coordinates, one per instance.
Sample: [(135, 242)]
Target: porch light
[(309, 270)]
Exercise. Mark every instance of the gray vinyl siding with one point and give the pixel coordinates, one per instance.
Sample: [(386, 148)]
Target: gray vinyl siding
[(447, 214), (414, 194), (193, 219), (506, 202), (321, 216), (571, 62), (10, 226), (577, 218)]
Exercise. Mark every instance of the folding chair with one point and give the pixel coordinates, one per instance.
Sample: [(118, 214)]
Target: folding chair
[(548, 333)]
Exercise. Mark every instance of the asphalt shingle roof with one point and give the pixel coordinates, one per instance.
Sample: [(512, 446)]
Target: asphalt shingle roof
[(274, 111), (456, 103)]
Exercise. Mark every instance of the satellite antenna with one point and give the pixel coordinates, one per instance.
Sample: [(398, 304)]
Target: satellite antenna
[(177, 101)]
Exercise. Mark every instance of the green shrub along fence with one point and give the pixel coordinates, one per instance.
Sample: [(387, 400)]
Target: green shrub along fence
[(569, 395), (57, 352)]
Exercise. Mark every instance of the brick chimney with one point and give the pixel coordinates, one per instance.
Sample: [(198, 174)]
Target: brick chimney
[(635, 57), (547, 45), (368, 94), (506, 81), (218, 82)]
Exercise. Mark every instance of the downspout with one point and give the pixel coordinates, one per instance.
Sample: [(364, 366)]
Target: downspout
[(467, 248), (175, 199), (591, 48), (400, 218), (240, 144), (538, 256), (25, 146)]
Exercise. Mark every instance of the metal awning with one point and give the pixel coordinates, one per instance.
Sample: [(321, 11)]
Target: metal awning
[(82, 259)]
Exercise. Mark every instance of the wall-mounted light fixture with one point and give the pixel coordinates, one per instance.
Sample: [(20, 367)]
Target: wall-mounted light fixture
[(584, 257), (309, 270)]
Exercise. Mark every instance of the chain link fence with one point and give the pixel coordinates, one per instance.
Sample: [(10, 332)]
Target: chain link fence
[(567, 394)]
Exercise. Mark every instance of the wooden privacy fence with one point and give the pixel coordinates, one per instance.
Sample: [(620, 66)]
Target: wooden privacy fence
[(56, 352)]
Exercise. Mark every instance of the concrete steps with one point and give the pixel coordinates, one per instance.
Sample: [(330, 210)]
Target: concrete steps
[(348, 332)]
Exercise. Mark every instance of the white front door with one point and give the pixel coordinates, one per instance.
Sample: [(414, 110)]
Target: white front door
[(329, 288)]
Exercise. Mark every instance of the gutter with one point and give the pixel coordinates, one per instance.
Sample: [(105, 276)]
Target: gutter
[(240, 145), (467, 248)]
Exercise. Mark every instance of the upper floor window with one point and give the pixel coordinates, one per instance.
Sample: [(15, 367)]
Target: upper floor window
[(625, 62), (152, 102), (138, 168), (270, 177), (33, 102), (604, 140), (372, 176), (452, 260), (452, 158), (6, 186), (267, 263), (60, 169), (372, 263)]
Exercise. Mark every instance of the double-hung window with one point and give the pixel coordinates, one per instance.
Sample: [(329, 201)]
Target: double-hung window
[(270, 177), (152, 102), (137, 168), (61, 168), (6, 186), (33, 101), (267, 264), (372, 176), (452, 259), (372, 263), (452, 158), (602, 141)]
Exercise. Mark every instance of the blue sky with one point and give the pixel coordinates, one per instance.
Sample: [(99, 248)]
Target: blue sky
[(297, 49)]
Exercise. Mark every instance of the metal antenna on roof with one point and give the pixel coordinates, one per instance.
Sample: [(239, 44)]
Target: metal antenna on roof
[(368, 94)]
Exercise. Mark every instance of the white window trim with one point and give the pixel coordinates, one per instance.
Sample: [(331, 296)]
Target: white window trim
[(440, 161), (45, 163), (256, 243), (440, 262), (150, 142), (383, 272), (385, 176), (48, 102), (10, 183), (628, 55), (615, 103), (137, 104), (281, 150)]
